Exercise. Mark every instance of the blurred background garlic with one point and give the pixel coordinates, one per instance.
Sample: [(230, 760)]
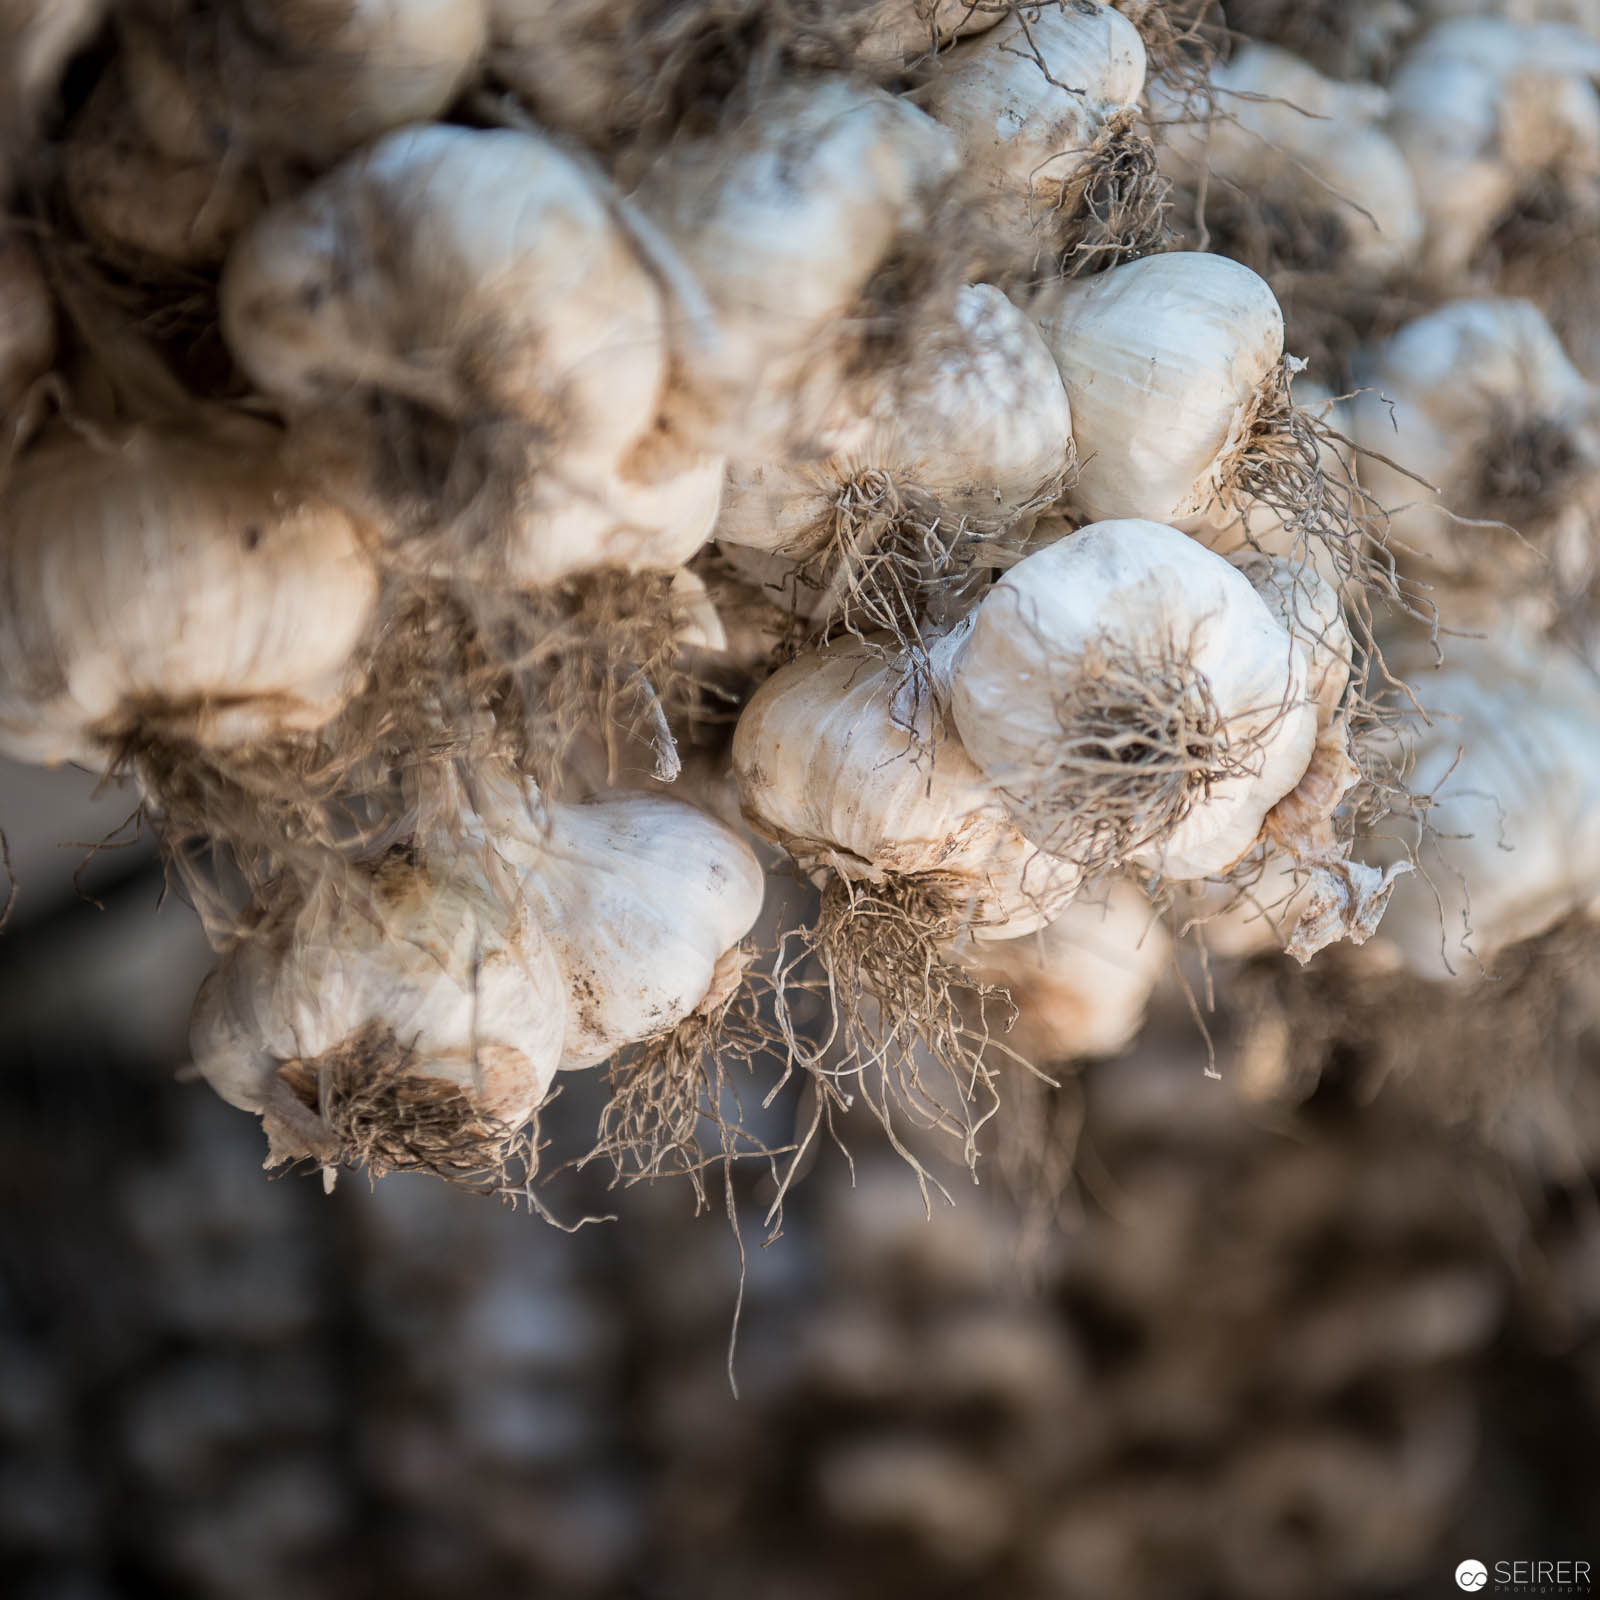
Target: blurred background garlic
[(1508, 771), (1299, 175), (1082, 982), (1046, 107), (1481, 403), (162, 586), (1134, 700), (1486, 111), (27, 320), (413, 1020)]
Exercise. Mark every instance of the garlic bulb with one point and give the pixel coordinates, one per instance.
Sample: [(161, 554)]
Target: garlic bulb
[(898, 31), (309, 80), (170, 585), (784, 219), (644, 900), (27, 322), (477, 295), (1479, 400), (417, 1024), (1163, 360), (1483, 110), (37, 37), (1133, 699), (129, 197), (1307, 157), (1510, 768), (1037, 102), (1082, 982), (832, 768), (979, 427)]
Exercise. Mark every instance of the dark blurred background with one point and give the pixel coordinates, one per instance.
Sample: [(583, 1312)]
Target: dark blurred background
[(1298, 1333)]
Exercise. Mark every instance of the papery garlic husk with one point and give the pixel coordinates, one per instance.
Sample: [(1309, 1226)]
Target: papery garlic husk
[(497, 381), (1305, 159), (784, 219), (27, 323), (1509, 770), (171, 586), (414, 1025), (1480, 402), (1485, 110), (643, 897), (958, 449), (1081, 984), (1162, 360), (243, 80), (843, 763), (1045, 105), (1133, 699)]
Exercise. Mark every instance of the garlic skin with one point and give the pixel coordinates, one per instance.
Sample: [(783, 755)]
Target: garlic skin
[(27, 321), (782, 220), (1161, 359), (1482, 108), (899, 31), (1130, 593), (644, 900), (1487, 408), (1028, 99), (981, 432), (467, 986), (1286, 136), (37, 38), (1082, 983), (830, 767), (1511, 764), (311, 80), (171, 585), (487, 281), (1306, 606)]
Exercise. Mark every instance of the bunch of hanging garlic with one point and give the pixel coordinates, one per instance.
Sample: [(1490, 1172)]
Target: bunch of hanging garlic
[(492, 394)]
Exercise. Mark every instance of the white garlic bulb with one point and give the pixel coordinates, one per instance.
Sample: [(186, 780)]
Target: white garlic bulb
[(1510, 767), (1133, 699), (411, 1025), (644, 900), (1479, 400), (171, 585), (979, 426), (1286, 138), (784, 219), (1029, 101), (1483, 109), (1162, 360), (310, 80), (482, 280), (1082, 983), (835, 766)]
